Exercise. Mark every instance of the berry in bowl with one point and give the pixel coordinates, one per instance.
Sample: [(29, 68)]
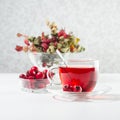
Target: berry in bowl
[(34, 80)]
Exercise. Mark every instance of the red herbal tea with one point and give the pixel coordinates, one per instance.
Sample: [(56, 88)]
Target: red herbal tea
[(79, 75), (77, 79)]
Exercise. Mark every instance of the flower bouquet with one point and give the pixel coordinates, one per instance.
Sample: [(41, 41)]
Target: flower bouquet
[(42, 49)]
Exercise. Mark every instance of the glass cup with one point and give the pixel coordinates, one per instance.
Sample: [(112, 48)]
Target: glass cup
[(79, 76)]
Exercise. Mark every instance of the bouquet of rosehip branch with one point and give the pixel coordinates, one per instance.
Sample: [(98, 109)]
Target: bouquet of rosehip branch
[(64, 42)]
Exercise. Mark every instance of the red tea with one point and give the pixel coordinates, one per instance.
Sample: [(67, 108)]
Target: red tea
[(78, 79)]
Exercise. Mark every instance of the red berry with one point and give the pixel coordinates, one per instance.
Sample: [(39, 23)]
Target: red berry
[(66, 87), (34, 68), (39, 75), (22, 76), (26, 42), (44, 64), (61, 33), (18, 48), (32, 72), (77, 88), (71, 88), (27, 74), (65, 35), (19, 34), (47, 41), (45, 46), (51, 74), (44, 76), (45, 71)]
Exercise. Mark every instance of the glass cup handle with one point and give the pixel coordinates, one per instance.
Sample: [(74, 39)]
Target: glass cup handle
[(51, 77)]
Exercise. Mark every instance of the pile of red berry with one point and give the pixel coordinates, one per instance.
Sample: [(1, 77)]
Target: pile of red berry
[(34, 78), (69, 88), (34, 73)]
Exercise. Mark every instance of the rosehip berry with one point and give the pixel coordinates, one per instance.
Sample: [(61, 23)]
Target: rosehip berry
[(77, 88), (32, 72), (52, 74), (61, 33), (39, 75), (22, 76), (65, 35), (19, 34), (66, 87), (44, 64), (47, 41), (45, 73), (34, 68), (27, 74), (19, 48), (26, 42), (45, 45)]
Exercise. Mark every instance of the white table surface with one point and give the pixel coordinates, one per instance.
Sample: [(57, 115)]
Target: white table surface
[(18, 105)]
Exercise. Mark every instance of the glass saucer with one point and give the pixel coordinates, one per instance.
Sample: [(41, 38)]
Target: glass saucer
[(59, 94)]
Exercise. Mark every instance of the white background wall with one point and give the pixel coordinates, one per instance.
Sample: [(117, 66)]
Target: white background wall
[(96, 22)]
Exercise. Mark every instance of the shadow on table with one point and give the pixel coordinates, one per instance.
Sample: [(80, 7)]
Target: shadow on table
[(96, 98)]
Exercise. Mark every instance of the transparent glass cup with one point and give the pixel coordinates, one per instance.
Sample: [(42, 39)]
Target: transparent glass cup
[(79, 76)]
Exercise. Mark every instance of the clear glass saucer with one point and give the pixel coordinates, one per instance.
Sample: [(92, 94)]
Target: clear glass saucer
[(59, 94)]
